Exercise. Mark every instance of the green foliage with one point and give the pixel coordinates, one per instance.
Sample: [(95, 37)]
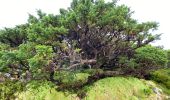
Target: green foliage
[(162, 76), (26, 51), (9, 89), (29, 56), (127, 64), (4, 47), (44, 90), (145, 59), (168, 55), (8, 59), (147, 91), (46, 29), (71, 77), (151, 57), (16, 60), (91, 33), (88, 33), (41, 60), (14, 36), (105, 31)]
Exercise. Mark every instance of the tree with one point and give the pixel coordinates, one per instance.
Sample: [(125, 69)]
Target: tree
[(15, 61), (40, 62), (105, 31), (91, 33), (150, 58), (168, 55), (14, 36), (9, 63), (46, 29)]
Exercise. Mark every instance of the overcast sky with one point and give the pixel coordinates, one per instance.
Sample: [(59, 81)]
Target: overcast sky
[(14, 12)]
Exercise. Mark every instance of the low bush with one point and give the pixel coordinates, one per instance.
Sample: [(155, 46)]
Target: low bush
[(68, 77), (9, 89), (151, 57), (168, 55), (162, 77)]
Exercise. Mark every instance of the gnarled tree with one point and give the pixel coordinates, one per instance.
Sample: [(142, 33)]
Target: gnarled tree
[(94, 33), (104, 31)]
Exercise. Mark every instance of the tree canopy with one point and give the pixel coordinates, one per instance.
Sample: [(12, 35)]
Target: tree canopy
[(89, 34)]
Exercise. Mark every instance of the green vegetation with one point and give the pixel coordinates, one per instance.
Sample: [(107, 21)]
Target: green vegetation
[(168, 55), (151, 56), (117, 88), (64, 56), (70, 77), (90, 34), (39, 90), (8, 89), (162, 77)]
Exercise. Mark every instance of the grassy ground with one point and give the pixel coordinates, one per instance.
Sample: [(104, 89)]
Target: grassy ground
[(44, 91), (113, 88), (119, 88)]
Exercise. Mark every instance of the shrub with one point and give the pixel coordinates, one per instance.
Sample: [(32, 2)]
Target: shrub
[(127, 64), (151, 57), (168, 55), (71, 77), (38, 64), (161, 76), (8, 89)]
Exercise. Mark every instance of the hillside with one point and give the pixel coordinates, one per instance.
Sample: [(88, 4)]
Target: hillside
[(92, 50), (113, 88)]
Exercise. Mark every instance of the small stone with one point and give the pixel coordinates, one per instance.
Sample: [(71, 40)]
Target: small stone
[(167, 97)]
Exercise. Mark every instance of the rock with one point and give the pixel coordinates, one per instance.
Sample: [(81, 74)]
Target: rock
[(167, 97), (158, 93), (12, 78), (2, 79), (7, 75), (149, 83), (157, 90)]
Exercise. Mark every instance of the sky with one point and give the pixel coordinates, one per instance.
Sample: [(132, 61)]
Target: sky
[(15, 12)]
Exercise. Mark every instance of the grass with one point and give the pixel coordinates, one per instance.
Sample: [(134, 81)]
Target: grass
[(113, 88), (44, 91), (119, 88)]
